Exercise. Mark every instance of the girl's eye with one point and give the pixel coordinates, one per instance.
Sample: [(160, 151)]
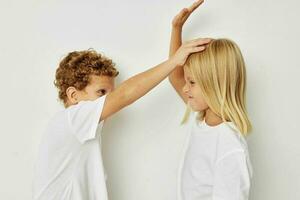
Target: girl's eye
[(192, 82)]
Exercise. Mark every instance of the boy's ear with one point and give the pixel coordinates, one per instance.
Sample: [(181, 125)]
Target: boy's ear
[(72, 95)]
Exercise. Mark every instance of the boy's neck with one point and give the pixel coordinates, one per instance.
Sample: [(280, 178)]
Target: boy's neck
[(68, 104)]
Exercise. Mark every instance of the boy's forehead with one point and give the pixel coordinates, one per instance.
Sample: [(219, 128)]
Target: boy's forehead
[(101, 80)]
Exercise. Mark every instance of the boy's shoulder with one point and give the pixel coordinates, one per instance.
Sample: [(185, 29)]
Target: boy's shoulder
[(63, 115), (60, 118)]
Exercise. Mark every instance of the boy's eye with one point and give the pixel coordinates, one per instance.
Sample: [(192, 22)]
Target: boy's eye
[(102, 91)]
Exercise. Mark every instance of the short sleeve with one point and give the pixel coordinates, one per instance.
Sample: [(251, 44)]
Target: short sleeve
[(232, 177), (84, 118)]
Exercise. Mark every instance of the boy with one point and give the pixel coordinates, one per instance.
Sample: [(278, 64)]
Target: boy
[(69, 164)]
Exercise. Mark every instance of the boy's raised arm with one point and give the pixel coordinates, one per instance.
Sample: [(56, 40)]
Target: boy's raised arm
[(176, 78), (138, 85)]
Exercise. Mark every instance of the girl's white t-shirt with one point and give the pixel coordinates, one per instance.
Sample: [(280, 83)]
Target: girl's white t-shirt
[(69, 164), (216, 164)]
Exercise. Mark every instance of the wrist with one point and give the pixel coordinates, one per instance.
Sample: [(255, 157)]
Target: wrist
[(172, 62), (177, 27)]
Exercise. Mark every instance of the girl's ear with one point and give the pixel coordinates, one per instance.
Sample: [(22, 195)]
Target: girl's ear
[(72, 95)]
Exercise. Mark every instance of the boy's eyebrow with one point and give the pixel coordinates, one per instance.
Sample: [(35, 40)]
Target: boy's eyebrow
[(101, 89)]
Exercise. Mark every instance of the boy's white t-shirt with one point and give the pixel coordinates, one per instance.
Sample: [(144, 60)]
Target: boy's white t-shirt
[(69, 165), (216, 164)]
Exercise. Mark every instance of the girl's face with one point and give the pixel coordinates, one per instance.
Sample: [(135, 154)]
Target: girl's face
[(193, 92)]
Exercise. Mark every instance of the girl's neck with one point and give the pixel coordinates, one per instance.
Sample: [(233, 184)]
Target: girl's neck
[(211, 118)]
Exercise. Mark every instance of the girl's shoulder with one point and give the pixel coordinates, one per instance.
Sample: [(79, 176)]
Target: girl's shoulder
[(230, 139)]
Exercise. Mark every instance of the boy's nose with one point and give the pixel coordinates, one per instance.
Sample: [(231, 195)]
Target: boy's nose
[(111, 89)]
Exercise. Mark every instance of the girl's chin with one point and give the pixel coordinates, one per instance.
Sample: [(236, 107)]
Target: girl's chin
[(195, 108)]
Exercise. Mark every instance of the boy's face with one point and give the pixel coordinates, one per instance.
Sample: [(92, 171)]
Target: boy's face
[(98, 86), (193, 92)]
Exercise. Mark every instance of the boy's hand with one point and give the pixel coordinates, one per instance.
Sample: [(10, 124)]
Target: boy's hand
[(187, 48), (181, 17)]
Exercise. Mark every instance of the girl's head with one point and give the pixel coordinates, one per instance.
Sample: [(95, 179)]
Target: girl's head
[(216, 80)]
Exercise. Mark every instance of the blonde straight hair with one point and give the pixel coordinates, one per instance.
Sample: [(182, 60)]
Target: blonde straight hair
[(220, 72)]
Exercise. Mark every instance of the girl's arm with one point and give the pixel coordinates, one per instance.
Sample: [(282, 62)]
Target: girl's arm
[(232, 176), (176, 78), (138, 85)]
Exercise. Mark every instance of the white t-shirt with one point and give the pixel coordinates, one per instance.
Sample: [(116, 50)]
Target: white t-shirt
[(69, 165), (216, 165)]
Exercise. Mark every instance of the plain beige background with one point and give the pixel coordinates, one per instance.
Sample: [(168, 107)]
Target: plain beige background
[(142, 144)]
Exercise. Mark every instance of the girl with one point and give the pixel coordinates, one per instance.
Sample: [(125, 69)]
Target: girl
[(212, 83)]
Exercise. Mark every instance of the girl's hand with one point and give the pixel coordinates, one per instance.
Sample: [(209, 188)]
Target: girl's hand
[(188, 48), (181, 17)]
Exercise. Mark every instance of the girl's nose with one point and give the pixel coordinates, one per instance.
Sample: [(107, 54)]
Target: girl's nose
[(185, 89)]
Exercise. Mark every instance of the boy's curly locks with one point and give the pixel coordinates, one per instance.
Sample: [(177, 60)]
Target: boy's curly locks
[(77, 67)]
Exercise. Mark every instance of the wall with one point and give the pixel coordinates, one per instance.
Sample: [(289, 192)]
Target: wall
[(142, 143)]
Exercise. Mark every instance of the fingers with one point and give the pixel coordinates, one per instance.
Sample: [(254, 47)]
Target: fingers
[(183, 13), (198, 42), (190, 47), (197, 49), (197, 45), (195, 5), (182, 16)]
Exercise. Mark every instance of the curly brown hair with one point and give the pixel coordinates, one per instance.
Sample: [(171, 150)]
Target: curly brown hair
[(77, 67)]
